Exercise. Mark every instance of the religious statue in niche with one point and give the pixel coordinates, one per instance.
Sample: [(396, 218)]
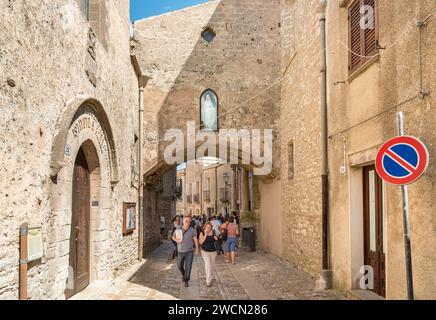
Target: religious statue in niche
[(209, 111)]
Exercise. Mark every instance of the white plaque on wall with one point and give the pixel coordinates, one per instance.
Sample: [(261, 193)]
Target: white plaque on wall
[(34, 244)]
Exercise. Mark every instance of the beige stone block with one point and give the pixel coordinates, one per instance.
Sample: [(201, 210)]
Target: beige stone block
[(101, 247), (62, 218), (100, 236), (62, 233), (100, 225), (62, 248)]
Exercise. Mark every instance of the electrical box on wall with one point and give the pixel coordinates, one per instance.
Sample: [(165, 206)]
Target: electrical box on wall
[(343, 170)]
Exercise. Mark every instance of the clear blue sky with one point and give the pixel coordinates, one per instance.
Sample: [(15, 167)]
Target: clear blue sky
[(140, 9)]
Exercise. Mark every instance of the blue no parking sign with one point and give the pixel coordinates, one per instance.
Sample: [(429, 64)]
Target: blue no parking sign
[(402, 160)]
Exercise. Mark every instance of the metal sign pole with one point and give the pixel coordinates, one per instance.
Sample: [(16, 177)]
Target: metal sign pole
[(23, 261), (406, 222)]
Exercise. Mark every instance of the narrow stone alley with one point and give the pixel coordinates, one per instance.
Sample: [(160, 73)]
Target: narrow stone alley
[(255, 276)]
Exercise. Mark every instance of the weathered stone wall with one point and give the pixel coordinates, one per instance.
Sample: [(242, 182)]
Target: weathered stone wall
[(270, 224), (159, 201), (242, 65), (151, 218), (168, 197), (44, 62), (362, 109), (300, 123), (362, 115)]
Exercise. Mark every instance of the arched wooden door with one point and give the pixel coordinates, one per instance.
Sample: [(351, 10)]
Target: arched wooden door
[(80, 227)]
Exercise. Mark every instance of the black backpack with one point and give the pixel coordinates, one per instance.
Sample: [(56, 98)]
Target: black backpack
[(224, 234)]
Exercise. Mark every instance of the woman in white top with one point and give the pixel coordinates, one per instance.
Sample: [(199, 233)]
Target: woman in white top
[(176, 224)]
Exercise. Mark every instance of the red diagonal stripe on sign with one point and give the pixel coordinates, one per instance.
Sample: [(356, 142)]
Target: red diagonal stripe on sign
[(400, 161)]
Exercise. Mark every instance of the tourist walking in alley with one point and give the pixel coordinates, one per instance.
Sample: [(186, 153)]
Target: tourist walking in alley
[(186, 239), (162, 229), (215, 225), (176, 224), (208, 251), (223, 238), (232, 239)]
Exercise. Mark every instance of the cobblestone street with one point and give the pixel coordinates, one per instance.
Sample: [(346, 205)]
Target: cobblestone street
[(255, 276)]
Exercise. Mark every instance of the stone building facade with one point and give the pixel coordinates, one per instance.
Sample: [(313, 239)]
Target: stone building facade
[(66, 90), (69, 97), (300, 119), (182, 64), (247, 37), (290, 204), (362, 108), (194, 189), (214, 189), (362, 116), (218, 189)]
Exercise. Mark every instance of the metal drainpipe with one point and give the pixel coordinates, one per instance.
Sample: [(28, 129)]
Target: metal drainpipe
[(141, 175), (201, 193), (216, 190), (24, 230), (324, 135), (142, 82)]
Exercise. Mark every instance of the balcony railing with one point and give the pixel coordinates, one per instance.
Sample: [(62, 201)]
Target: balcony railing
[(179, 188), (206, 196), (225, 194), (196, 198)]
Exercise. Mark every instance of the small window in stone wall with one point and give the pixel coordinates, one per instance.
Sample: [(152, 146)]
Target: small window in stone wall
[(208, 35), (291, 172)]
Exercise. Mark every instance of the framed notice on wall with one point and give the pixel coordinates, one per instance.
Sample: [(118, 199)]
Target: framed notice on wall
[(129, 218), (34, 244)]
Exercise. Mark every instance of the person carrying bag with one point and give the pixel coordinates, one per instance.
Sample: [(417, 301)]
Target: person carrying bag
[(224, 236), (208, 240)]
